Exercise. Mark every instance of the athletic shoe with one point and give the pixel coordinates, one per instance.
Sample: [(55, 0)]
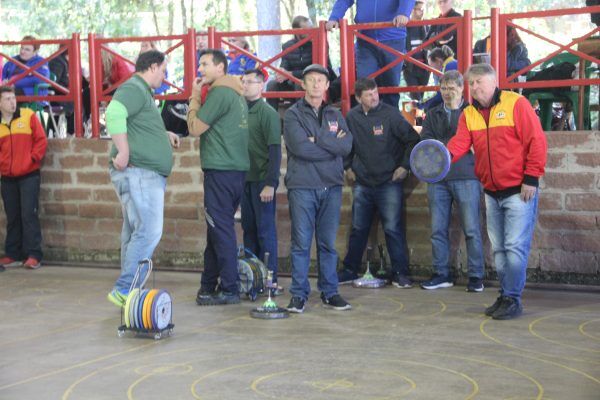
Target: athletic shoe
[(335, 302), (509, 309), (401, 281), (475, 285), (296, 305), (32, 263), (437, 282), (117, 298), (9, 262), (346, 276), (491, 309), (220, 298), (204, 294), (2, 268)]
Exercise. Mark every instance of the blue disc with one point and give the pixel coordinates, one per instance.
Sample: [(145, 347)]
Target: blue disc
[(140, 308), (430, 161)]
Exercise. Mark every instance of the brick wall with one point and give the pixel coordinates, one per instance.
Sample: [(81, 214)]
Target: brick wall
[(81, 218)]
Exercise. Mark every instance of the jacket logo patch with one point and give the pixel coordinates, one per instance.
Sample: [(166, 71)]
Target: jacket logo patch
[(501, 115), (378, 130), (333, 126), (20, 125)]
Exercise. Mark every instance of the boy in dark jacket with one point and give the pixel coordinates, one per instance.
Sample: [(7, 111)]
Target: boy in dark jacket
[(460, 187), (379, 163)]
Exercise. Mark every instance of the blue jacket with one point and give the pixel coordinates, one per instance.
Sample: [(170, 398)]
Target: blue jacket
[(375, 11), (240, 64), (27, 83)]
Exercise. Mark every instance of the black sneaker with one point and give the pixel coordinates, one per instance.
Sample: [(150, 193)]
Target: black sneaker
[(491, 309), (401, 281), (346, 276), (218, 299), (2, 268), (475, 285), (204, 294), (335, 302), (509, 309), (296, 305), (437, 282)]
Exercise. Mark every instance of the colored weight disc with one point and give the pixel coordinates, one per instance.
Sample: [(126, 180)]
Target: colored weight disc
[(161, 310)]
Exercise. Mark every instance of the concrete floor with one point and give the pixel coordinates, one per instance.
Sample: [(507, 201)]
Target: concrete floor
[(59, 342)]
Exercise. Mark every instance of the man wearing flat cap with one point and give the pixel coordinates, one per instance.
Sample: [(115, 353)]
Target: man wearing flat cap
[(317, 139)]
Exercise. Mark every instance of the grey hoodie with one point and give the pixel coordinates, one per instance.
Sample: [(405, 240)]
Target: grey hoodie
[(318, 164)]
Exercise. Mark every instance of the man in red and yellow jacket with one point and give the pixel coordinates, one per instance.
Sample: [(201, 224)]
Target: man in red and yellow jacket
[(22, 146), (510, 156)]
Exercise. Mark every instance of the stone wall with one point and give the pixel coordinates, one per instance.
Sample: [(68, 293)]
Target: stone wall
[(81, 217)]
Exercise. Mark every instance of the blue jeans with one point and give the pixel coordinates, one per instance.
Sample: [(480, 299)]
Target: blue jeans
[(314, 211), (511, 223), (142, 196), (387, 200), (466, 194), (258, 223), (370, 58)]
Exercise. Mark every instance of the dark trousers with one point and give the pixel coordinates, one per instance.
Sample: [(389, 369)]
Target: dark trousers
[(23, 233), (415, 76), (222, 196), (274, 86), (258, 223)]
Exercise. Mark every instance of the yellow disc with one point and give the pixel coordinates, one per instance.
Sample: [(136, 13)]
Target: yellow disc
[(148, 308), (133, 295), (126, 311)]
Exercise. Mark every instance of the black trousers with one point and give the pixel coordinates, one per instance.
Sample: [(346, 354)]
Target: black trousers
[(21, 200)]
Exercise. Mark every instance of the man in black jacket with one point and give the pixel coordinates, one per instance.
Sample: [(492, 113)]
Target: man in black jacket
[(414, 75), (295, 61), (446, 11), (460, 187), (379, 163)]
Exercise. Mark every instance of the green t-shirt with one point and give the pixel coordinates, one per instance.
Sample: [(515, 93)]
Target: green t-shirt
[(149, 145), (224, 146), (264, 127)]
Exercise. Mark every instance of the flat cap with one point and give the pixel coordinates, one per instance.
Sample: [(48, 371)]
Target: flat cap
[(315, 68)]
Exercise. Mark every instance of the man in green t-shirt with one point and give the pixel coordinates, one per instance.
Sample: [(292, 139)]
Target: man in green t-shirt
[(140, 161), (222, 124), (264, 148)]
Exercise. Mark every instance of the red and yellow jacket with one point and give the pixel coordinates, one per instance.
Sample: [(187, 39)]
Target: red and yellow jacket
[(510, 149), (22, 144)]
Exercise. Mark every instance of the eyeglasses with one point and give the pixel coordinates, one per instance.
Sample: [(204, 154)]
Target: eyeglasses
[(249, 82)]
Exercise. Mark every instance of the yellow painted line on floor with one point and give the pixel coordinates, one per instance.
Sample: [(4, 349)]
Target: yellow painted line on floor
[(158, 372), (520, 350), (556, 342), (583, 331), (220, 371)]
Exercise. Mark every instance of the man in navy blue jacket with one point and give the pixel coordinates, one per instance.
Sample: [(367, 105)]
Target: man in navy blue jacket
[(370, 58)]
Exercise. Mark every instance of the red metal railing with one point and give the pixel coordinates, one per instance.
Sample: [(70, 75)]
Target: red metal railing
[(72, 93), (318, 37), (461, 25), (98, 93), (500, 24)]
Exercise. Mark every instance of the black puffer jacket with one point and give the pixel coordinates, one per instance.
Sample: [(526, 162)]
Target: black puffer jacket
[(300, 58)]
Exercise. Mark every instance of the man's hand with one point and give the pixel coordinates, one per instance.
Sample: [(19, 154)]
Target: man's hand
[(197, 87), (400, 20), (121, 160), (267, 194), (399, 174), (331, 25), (174, 139), (340, 134), (350, 176), (527, 192)]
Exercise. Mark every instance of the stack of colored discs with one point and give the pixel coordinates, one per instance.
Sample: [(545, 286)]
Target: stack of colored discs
[(147, 310)]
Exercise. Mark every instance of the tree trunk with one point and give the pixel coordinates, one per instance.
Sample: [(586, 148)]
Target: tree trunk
[(312, 10), (268, 15), (171, 10), (184, 16), (289, 6), (155, 17)]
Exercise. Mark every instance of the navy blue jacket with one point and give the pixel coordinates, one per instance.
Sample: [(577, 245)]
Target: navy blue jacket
[(375, 11)]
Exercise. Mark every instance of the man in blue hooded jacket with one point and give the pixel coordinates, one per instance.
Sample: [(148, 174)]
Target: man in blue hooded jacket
[(370, 58)]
